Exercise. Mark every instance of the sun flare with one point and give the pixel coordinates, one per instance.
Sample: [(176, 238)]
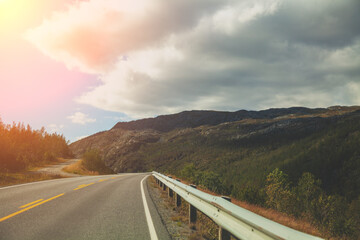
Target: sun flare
[(17, 14)]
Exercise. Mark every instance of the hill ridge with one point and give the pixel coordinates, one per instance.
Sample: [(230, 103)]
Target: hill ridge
[(196, 118)]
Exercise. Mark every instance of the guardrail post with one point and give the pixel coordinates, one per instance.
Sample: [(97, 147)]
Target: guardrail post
[(170, 192), (177, 200), (224, 234), (177, 196), (164, 187), (192, 210), (192, 214)]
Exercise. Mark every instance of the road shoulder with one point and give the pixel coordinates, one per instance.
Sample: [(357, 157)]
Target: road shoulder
[(176, 229)]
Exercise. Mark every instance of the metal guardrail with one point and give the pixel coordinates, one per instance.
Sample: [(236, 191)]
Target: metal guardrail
[(231, 218)]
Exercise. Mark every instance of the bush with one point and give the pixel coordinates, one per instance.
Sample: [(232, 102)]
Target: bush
[(208, 179), (252, 195), (189, 173), (92, 161), (279, 194), (211, 181), (308, 191)]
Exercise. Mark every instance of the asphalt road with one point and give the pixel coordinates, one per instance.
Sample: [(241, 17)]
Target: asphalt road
[(95, 207)]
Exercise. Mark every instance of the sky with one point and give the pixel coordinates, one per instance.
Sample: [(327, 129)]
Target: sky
[(78, 67)]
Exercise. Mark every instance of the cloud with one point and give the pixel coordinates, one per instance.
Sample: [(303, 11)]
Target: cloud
[(81, 118), (165, 57), (55, 128), (94, 35)]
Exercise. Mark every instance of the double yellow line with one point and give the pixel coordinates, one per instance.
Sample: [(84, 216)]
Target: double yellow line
[(29, 206), (83, 185), (38, 202)]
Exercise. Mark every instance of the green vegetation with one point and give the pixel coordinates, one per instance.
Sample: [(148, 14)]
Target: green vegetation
[(309, 169), (22, 147), (78, 168), (92, 161), (309, 201)]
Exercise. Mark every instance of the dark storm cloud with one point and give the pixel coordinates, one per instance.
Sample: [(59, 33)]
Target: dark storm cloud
[(228, 55)]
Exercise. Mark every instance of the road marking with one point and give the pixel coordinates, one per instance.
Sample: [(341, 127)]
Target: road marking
[(28, 208), (26, 205), (82, 186), (150, 223), (59, 180)]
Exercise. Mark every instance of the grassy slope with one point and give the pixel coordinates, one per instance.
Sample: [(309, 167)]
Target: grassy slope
[(330, 153)]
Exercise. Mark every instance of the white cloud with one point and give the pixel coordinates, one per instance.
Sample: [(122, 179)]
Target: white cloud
[(168, 56), (81, 118), (55, 128)]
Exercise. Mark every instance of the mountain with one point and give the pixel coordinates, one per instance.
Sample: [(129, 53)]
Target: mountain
[(242, 147), (311, 156), (191, 119)]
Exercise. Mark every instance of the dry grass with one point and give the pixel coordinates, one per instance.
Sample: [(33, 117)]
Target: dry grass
[(78, 168), (282, 218), (46, 164), (7, 179)]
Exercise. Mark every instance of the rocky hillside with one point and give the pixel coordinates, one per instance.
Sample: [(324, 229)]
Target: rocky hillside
[(233, 153), (210, 138)]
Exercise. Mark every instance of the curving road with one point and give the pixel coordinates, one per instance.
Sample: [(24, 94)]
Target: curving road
[(94, 207)]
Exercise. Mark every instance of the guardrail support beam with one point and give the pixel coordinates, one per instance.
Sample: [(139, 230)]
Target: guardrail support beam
[(177, 200), (192, 210), (223, 234), (192, 214)]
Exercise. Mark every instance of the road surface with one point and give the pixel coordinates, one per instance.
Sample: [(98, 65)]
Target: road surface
[(94, 207)]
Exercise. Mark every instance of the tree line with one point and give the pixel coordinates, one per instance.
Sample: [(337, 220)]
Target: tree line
[(22, 147)]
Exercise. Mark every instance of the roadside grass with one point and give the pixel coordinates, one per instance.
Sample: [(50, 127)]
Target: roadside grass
[(46, 164), (8, 179), (30, 175), (205, 228), (295, 223), (78, 168)]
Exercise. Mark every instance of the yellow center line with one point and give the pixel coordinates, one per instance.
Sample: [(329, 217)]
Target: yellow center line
[(28, 208), (103, 180), (26, 205), (83, 185)]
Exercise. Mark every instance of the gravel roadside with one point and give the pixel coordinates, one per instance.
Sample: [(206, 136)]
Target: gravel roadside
[(176, 228)]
